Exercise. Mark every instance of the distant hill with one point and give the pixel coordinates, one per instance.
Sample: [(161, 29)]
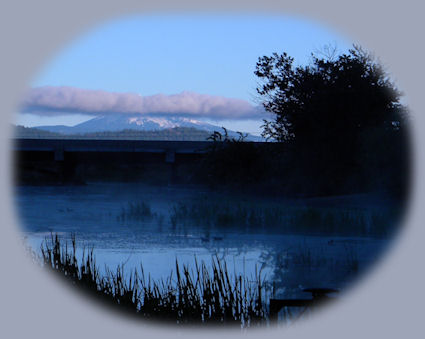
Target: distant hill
[(176, 134), (123, 123), (120, 122), (33, 133)]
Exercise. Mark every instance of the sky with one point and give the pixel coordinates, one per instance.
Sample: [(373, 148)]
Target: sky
[(195, 65)]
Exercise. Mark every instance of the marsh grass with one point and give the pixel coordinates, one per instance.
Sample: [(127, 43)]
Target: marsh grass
[(279, 217), (140, 211), (202, 295), (351, 259), (212, 212), (315, 258)]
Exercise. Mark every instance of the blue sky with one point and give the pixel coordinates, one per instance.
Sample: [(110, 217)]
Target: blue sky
[(212, 55)]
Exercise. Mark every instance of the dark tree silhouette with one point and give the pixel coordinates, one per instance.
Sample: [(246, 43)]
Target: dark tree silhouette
[(341, 115)]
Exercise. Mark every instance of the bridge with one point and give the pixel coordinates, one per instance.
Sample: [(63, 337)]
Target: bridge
[(39, 161), (60, 147)]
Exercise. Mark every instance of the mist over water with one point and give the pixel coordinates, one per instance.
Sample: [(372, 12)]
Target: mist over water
[(134, 224)]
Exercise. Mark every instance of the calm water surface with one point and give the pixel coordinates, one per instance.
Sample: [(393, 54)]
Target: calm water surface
[(94, 214)]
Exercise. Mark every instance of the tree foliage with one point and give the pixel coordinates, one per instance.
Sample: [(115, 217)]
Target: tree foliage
[(326, 98), (340, 114)]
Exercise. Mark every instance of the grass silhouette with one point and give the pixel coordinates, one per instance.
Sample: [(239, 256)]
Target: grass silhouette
[(203, 295)]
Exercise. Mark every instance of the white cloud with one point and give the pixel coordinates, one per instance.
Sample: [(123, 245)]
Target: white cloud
[(52, 101)]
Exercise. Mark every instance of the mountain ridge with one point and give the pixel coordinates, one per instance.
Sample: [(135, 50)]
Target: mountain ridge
[(137, 122), (170, 134)]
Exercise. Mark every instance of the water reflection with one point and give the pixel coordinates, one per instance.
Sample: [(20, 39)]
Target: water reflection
[(136, 224)]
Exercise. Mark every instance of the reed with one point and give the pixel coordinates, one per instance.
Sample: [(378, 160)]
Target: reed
[(222, 213), (201, 295), (140, 211)]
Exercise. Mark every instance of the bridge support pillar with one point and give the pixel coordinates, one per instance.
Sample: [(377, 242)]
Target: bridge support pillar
[(170, 156), (59, 156)]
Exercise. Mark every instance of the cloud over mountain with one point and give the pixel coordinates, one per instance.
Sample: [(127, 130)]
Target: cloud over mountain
[(49, 101)]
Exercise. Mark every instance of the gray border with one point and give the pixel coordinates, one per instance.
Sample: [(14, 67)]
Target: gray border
[(388, 303)]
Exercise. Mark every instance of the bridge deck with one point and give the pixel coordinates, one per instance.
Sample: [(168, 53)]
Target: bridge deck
[(99, 145)]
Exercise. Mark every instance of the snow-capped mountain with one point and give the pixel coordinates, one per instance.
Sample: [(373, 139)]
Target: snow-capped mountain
[(119, 122)]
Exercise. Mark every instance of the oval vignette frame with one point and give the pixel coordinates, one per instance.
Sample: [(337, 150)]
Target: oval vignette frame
[(335, 314)]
